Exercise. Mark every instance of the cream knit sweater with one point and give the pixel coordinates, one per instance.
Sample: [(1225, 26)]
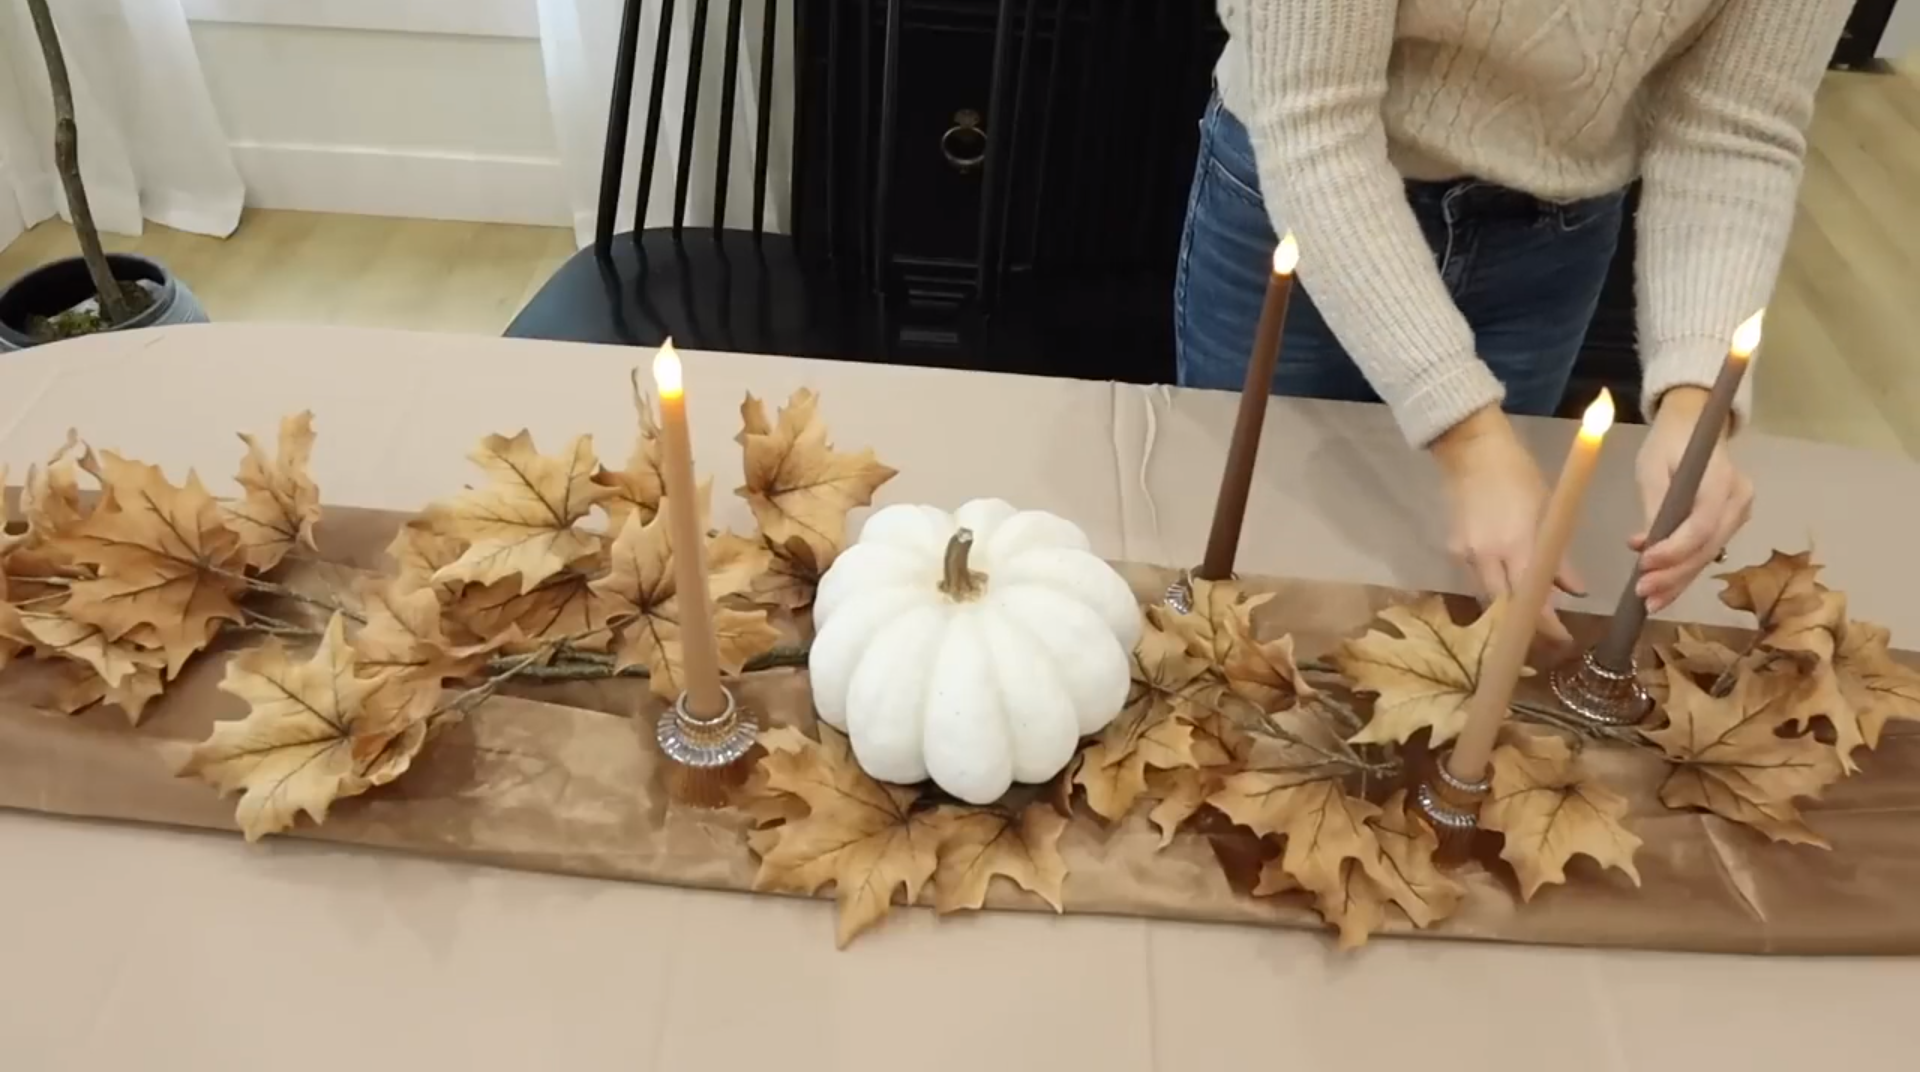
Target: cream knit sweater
[(1706, 100)]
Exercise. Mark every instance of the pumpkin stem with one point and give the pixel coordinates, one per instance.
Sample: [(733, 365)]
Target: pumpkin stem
[(960, 583)]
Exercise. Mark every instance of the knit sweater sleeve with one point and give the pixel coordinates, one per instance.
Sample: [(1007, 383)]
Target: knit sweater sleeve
[(1720, 171), (1317, 76)]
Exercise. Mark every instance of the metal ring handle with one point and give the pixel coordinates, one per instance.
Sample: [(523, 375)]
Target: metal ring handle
[(966, 124)]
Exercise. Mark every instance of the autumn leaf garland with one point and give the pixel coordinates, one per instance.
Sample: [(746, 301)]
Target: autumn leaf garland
[(121, 590), (557, 563)]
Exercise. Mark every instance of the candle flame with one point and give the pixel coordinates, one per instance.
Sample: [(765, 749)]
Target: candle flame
[(1598, 417), (666, 371), (1746, 337), (1287, 257)]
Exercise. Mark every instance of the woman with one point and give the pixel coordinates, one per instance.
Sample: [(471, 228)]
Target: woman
[(1454, 171)]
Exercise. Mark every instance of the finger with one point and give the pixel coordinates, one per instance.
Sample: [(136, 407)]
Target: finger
[(1660, 587), (1570, 581), (1663, 587), (1731, 516), (1694, 533), (1549, 624), (1553, 628), (1493, 576)]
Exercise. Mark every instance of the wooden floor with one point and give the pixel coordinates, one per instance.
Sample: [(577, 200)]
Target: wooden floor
[(315, 268), (1841, 362)]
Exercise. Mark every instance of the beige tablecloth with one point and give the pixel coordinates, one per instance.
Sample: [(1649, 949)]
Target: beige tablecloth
[(139, 948)]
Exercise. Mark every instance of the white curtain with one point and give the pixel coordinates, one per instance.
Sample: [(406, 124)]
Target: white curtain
[(578, 39), (151, 145)]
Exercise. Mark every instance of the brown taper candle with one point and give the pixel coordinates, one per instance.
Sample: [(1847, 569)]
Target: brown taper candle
[(1507, 653), (1615, 651), (699, 646), (1236, 480)]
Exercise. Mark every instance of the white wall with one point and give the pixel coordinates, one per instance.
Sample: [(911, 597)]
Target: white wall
[(426, 108), (1902, 39)]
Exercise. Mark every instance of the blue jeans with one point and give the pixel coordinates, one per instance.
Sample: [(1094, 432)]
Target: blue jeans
[(1526, 274)]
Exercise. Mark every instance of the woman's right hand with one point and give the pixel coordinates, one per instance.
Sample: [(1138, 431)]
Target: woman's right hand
[(1495, 494)]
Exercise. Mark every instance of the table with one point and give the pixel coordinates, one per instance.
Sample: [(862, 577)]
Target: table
[(142, 948)]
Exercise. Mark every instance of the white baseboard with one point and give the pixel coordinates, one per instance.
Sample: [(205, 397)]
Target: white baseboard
[(388, 182), (479, 18)]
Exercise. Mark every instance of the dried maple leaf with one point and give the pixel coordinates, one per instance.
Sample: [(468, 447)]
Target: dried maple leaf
[(294, 751), (1550, 812), (1312, 810), (282, 503), (1222, 746), (766, 805), (638, 488), (135, 691), (1728, 759), (26, 583), (397, 718), (1219, 630), (51, 497), (1694, 655), (797, 485), (1354, 857), (978, 843), (565, 606), (1808, 625), (1697, 655), (791, 577), (1353, 902), (1877, 688), (1402, 873), (1772, 588), (1331, 850), (405, 631), (1178, 794), (1422, 678), (866, 838), (1407, 845), (12, 534), (640, 585), (13, 633), (130, 675), (1208, 629), (169, 567), (78, 688), (522, 521), (421, 551), (1264, 672), (1151, 731)]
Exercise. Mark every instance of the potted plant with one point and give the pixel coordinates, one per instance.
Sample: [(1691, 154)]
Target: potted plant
[(95, 291)]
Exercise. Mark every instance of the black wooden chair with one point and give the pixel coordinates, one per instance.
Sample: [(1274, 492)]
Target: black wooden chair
[(708, 287)]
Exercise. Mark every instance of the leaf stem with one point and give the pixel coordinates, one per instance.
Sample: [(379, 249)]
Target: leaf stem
[(1723, 684), (270, 629), (594, 666), (1579, 727), (1345, 757), (270, 588)]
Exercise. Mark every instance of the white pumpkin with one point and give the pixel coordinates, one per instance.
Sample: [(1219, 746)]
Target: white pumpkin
[(975, 648)]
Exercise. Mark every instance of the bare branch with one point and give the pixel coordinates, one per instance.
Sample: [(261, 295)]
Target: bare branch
[(66, 154)]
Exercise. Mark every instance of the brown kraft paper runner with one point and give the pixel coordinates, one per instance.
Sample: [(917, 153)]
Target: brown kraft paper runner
[(570, 784)]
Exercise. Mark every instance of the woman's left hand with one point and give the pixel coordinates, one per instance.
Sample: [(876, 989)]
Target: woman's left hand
[(1722, 506)]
